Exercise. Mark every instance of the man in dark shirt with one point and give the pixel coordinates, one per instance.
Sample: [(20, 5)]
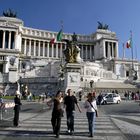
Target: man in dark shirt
[(17, 108), (69, 104)]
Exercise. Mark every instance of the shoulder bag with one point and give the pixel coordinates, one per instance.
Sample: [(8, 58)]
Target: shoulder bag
[(94, 109)]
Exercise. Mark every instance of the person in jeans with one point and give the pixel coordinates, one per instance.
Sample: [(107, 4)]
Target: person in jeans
[(91, 107), (57, 113), (69, 104)]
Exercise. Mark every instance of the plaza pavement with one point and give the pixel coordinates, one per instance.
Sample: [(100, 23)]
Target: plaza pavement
[(37, 126)]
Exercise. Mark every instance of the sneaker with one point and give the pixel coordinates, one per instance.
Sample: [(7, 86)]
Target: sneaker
[(72, 133), (91, 135), (57, 136), (68, 131)]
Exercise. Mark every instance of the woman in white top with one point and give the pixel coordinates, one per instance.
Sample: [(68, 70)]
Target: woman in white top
[(91, 107)]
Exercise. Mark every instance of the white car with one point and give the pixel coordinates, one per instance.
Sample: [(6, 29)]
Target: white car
[(111, 98)]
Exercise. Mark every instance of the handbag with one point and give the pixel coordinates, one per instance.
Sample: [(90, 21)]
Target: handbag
[(96, 112), (62, 112)]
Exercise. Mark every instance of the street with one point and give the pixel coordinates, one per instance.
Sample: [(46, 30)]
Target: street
[(126, 116)]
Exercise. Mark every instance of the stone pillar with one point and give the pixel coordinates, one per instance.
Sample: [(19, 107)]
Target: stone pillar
[(104, 49), (86, 53), (34, 47), (52, 50), (91, 52), (116, 50), (43, 49), (9, 40), (112, 50), (17, 40), (82, 54), (72, 76), (29, 53), (3, 42), (39, 48), (48, 46), (57, 50), (61, 53), (25, 44)]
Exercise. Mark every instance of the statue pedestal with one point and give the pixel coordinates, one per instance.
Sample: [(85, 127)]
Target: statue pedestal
[(72, 76), (13, 76)]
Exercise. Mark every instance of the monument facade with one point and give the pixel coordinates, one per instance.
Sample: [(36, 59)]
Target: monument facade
[(38, 61)]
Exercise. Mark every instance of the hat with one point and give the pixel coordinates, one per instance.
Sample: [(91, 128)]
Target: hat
[(17, 93)]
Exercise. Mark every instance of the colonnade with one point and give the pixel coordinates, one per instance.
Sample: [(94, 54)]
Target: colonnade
[(43, 48), (110, 49), (7, 39)]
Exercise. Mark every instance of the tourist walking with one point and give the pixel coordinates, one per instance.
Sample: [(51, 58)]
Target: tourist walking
[(99, 99), (57, 113), (69, 104), (17, 102), (91, 107)]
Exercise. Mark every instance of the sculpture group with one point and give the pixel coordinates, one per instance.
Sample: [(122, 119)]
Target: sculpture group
[(72, 50)]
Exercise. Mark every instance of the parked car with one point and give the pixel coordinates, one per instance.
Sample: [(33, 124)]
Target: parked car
[(111, 98)]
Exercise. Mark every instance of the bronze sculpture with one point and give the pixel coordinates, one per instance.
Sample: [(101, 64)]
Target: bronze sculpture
[(71, 50)]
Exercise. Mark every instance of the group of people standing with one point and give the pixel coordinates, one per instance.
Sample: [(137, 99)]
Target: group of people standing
[(67, 104), (64, 104)]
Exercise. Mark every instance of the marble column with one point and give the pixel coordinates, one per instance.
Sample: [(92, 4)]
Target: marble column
[(61, 54), (116, 50), (52, 50), (57, 50), (29, 53), (82, 54), (90, 52), (86, 52), (48, 46), (112, 50), (43, 48), (25, 44), (34, 47), (108, 49), (3, 42), (9, 40), (39, 48)]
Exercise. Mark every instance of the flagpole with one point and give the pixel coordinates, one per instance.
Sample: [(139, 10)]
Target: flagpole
[(131, 49), (61, 24), (123, 51)]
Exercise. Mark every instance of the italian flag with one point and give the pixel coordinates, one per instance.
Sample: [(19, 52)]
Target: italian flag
[(58, 38), (128, 44)]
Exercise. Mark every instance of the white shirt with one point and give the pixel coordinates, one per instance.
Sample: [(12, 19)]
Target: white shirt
[(89, 108)]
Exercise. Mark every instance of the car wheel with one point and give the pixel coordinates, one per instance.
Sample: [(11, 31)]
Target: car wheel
[(118, 101)]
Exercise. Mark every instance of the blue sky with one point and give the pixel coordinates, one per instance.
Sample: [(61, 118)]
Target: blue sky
[(81, 17)]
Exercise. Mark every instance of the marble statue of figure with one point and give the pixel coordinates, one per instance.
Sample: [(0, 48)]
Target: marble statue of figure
[(79, 59)]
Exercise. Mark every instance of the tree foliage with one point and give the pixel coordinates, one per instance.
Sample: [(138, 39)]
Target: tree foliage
[(9, 13), (102, 26)]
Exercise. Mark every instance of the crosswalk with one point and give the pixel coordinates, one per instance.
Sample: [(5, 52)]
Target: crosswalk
[(39, 126)]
